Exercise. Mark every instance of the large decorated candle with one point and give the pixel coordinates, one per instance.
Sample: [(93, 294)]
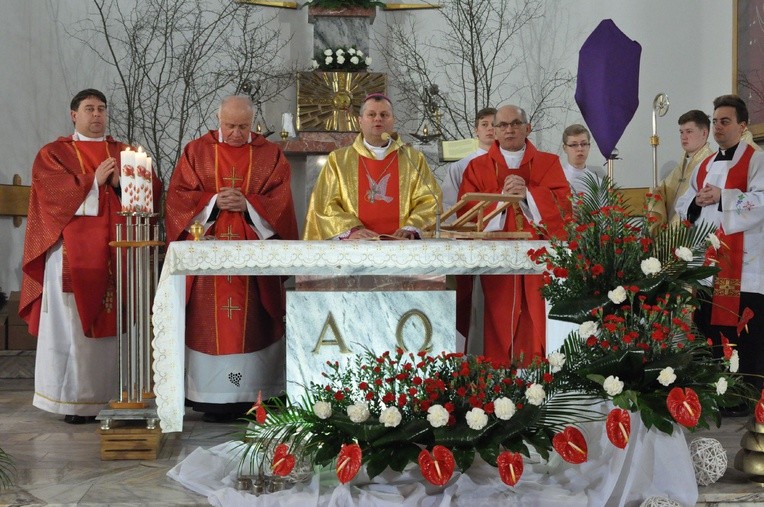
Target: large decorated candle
[(127, 179), (142, 180)]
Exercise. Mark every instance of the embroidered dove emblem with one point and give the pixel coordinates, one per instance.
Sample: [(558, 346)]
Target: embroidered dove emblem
[(378, 189)]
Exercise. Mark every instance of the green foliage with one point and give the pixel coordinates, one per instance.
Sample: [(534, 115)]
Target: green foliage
[(606, 248), (7, 470), (635, 310)]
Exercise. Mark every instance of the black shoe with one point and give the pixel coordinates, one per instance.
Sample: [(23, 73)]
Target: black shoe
[(79, 419), (742, 410), (225, 417)]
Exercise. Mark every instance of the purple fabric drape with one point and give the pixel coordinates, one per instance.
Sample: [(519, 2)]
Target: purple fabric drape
[(607, 90)]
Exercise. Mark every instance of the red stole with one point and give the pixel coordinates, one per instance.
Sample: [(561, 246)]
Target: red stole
[(233, 167), (726, 298), (86, 244), (379, 193)]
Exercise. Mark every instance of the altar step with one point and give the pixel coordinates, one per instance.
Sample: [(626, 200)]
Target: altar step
[(17, 364)]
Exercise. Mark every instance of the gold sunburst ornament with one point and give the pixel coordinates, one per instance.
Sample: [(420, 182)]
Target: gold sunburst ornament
[(329, 101)]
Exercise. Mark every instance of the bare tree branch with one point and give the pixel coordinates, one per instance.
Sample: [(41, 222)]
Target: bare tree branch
[(491, 52), (174, 60)]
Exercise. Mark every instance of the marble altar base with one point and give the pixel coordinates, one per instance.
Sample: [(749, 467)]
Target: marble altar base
[(335, 326)]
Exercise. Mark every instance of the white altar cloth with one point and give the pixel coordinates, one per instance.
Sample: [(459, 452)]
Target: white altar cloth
[(653, 464), (442, 257)]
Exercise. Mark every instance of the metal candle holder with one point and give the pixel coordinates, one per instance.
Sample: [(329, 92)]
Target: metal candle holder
[(137, 278)]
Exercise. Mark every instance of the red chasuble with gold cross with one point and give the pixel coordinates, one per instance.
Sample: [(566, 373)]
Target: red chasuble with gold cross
[(232, 314)]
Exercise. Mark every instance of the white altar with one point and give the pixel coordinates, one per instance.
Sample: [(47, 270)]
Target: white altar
[(442, 257)]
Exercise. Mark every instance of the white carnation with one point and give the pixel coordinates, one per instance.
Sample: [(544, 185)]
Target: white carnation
[(358, 412), (476, 418), (613, 386), (359, 53), (340, 59), (734, 362), (354, 60), (314, 64), (667, 376), (588, 329), (684, 253), (721, 386), (651, 266), (556, 361), (328, 60), (437, 416), (535, 394), (351, 51), (323, 409), (617, 295), (714, 240), (368, 60), (504, 408), (390, 417), (340, 52), (327, 52)]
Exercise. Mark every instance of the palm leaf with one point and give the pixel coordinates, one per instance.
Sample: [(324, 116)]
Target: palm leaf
[(7, 470)]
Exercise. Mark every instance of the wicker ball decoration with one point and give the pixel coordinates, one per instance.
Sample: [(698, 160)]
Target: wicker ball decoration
[(709, 459), (659, 501)]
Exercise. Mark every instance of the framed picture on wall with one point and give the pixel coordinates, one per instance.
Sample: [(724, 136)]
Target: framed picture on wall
[(748, 60)]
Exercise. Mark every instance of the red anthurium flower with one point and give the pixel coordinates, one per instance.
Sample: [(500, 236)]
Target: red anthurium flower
[(348, 462), (743, 324), (684, 406), (283, 462), (726, 347), (437, 467), (571, 445), (618, 426), (759, 412), (258, 409), (510, 467)]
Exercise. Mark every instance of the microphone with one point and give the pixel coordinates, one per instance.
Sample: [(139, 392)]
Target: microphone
[(396, 141)]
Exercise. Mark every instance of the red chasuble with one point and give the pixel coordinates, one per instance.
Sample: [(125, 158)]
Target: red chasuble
[(726, 298), (515, 318), (62, 176), (236, 314), (379, 194)]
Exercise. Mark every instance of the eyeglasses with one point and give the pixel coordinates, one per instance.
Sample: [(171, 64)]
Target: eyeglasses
[(513, 124), (576, 146)]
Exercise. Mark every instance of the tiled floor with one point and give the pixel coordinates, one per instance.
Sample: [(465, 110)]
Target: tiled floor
[(59, 463)]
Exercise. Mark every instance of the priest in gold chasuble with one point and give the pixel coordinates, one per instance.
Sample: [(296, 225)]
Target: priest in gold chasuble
[(237, 184), (375, 186)]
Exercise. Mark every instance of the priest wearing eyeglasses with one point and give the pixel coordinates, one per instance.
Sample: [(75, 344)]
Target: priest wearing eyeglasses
[(514, 316)]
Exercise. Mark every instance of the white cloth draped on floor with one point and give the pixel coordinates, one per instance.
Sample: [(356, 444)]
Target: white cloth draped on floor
[(653, 464)]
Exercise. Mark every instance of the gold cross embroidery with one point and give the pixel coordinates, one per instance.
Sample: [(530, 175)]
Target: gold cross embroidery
[(230, 308), (229, 235), (233, 179), (726, 287)]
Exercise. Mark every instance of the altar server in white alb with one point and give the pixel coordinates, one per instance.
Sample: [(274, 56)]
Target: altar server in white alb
[(455, 171), (727, 189), (576, 143)]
